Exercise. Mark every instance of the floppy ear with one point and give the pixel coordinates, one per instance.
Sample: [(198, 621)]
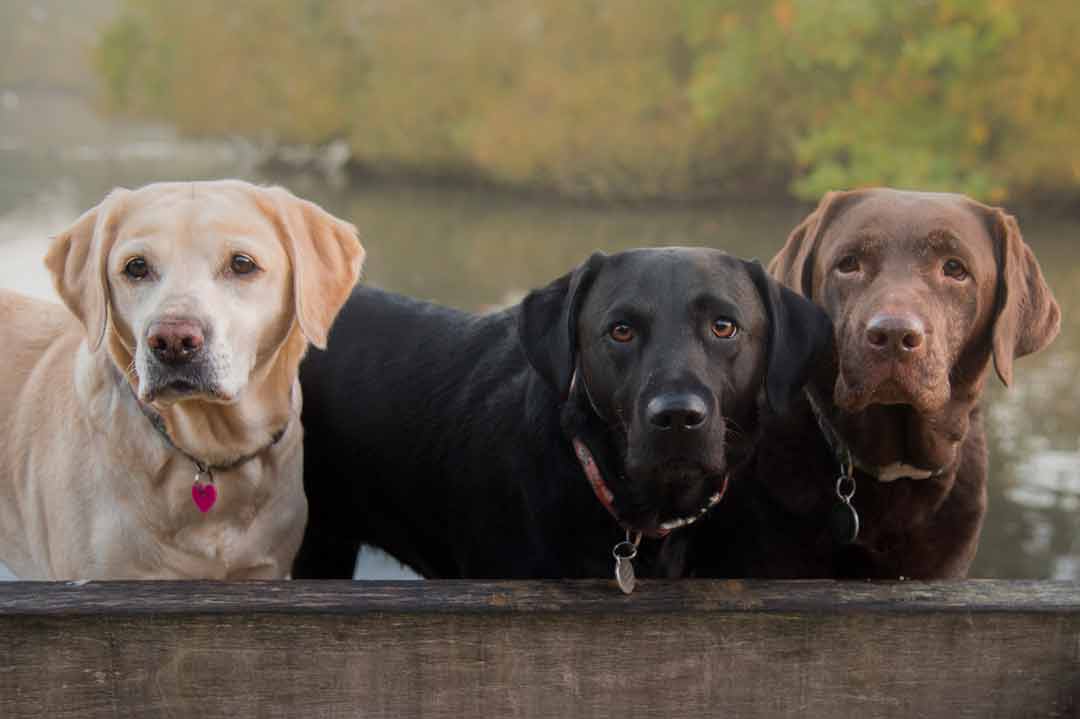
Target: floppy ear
[(799, 333), (793, 265), (78, 261), (547, 324), (326, 257), (1028, 316)]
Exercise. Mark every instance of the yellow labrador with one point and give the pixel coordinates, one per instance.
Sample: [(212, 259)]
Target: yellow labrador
[(153, 431)]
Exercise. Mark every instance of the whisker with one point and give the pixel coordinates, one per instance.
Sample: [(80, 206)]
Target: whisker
[(732, 428)]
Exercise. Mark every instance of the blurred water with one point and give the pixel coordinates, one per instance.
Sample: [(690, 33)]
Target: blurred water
[(475, 250)]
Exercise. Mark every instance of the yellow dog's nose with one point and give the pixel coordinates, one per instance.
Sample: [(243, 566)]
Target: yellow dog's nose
[(175, 341)]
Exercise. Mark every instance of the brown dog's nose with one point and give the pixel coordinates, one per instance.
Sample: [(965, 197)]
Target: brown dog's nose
[(175, 341), (901, 335)]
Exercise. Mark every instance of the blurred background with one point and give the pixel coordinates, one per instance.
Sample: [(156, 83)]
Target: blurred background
[(484, 147)]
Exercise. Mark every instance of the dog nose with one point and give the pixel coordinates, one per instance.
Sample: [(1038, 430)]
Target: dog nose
[(901, 335), (676, 411), (175, 341)]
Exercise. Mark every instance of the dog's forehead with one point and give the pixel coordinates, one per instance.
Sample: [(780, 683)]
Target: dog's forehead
[(900, 216), (657, 276), (174, 211)]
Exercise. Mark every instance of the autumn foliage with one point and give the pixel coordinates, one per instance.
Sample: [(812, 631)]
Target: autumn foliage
[(639, 99)]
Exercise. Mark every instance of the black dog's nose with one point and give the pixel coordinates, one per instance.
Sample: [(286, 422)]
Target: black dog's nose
[(175, 341), (901, 335), (676, 411)]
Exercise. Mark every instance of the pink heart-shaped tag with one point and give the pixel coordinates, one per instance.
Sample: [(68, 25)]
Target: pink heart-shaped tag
[(204, 494)]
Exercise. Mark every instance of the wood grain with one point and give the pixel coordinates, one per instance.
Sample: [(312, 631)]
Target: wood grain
[(531, 649)]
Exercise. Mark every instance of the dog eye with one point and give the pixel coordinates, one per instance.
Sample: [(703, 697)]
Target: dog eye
[(242, 265), (621, 332), (955, 269), (848, 264), (725, 329), (136, 268)]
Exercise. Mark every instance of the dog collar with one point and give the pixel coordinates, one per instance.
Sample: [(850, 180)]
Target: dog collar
[(844, 521), (203, 490), (607, 498), (849, 462)]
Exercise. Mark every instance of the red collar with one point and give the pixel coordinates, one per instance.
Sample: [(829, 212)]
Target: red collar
[(607, 498), (592, 473)]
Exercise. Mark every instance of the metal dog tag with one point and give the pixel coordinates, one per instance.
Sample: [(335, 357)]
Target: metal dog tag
[(624, 553), (624, 575), (844, 522), (843, 519)]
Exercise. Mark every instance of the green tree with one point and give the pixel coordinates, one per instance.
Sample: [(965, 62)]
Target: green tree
[(976, 96)]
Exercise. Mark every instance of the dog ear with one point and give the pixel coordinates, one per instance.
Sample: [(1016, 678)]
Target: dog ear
[(78, 261), (1028, 317), (547, 324), (793, 265), (326, 257), (799, 334)]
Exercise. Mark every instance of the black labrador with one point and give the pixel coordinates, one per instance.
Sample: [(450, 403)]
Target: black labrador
[(530, 441)]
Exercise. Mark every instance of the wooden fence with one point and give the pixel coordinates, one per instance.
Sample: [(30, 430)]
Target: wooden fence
[(555, 649)]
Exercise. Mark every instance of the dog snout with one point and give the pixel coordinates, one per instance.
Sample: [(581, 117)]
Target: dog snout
[(175, 341), (678, 411), (900, 336)]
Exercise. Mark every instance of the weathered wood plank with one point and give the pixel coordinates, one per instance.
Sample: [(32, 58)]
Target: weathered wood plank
[(449, 649), (577, 597)]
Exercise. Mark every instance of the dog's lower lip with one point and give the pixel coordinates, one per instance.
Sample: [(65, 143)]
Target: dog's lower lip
[(889, 403), (182, 389), (888, 391), (181, 386)]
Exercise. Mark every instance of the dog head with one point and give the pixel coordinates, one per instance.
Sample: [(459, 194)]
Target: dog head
[(667, 353), (194, 288), (922, 288)]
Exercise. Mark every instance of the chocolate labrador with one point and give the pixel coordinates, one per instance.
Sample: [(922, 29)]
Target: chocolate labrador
[(881, 470), (529, 442)]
